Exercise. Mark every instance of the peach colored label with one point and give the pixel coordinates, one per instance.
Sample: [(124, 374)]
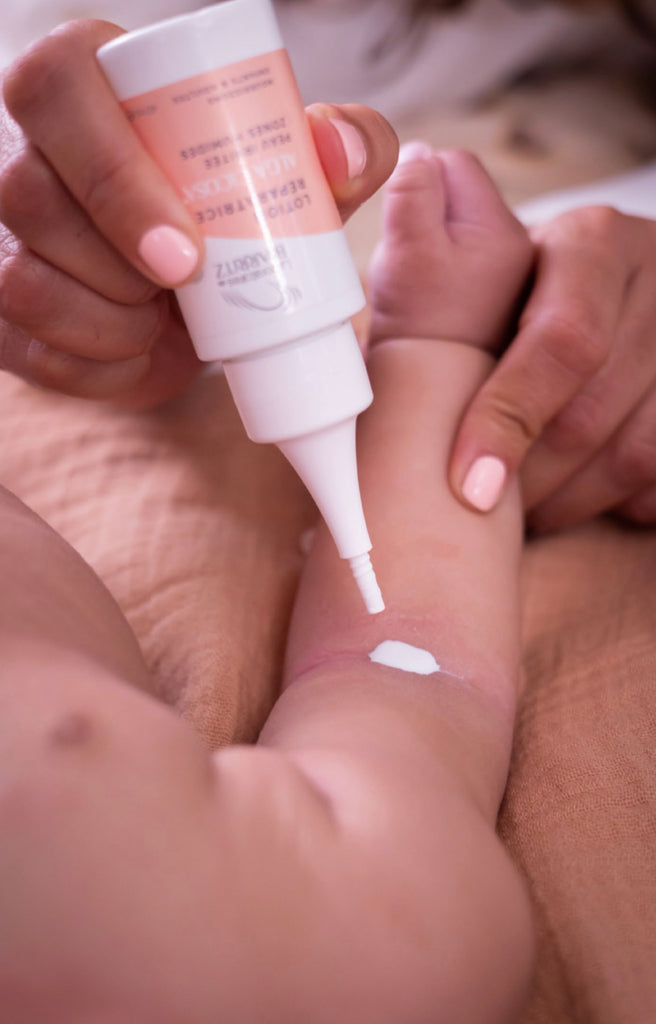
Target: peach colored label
[(237, 145)]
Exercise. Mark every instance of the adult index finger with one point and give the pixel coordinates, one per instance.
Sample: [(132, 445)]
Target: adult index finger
[(58, 94)]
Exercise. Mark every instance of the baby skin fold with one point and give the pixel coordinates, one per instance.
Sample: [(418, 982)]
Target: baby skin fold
[(346, 867)]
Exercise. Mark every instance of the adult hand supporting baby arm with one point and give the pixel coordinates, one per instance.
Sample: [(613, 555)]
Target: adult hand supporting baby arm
[(94, 235), (571, 405)]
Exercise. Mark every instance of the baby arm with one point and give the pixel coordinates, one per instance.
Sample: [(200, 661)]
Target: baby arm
[(344, 869), (413, 767)]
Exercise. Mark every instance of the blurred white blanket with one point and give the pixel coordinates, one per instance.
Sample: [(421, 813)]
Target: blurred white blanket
[(633, 193)]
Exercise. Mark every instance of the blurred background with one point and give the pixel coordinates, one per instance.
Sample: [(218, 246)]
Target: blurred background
[(549, 95)]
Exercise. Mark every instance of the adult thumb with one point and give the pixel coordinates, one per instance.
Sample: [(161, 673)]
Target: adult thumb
[(357, 149)]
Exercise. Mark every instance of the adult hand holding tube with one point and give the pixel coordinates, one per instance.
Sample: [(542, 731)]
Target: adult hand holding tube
[(213, 98), (93, 235)]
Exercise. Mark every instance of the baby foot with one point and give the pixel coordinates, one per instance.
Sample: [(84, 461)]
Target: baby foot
[(453, 259)]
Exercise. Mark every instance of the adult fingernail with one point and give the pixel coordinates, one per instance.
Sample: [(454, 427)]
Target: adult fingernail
[(168, 253), (484, 482), (354, 148)]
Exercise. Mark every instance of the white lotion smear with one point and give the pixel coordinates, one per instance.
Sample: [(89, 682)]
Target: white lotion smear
[(397, 654)]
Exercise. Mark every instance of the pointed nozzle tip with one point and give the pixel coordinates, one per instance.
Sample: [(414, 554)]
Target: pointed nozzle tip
[(365, 577)]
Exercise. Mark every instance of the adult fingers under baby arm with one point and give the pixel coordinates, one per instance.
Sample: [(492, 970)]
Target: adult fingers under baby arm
[(565, 337), (357, 148), (60, 97), (619, 476), (589, 421)]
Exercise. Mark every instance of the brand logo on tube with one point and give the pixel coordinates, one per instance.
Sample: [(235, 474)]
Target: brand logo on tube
[(251, 265)]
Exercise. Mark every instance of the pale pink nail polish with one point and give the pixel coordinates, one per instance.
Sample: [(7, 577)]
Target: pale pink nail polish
[(484, 482), (168, 253), (354, 147)]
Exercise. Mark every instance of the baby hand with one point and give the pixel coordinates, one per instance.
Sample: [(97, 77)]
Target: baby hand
[(453, 259)]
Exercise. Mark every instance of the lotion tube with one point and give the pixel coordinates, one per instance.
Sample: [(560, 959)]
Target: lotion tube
[(213, 99)]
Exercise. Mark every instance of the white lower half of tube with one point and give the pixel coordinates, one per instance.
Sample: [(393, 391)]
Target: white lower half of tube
[(305, 397)]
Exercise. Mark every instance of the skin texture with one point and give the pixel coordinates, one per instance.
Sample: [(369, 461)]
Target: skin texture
[(345, 867)]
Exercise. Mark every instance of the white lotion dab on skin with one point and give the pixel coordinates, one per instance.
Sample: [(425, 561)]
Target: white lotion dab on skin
[(213, 98), (397, 654)]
